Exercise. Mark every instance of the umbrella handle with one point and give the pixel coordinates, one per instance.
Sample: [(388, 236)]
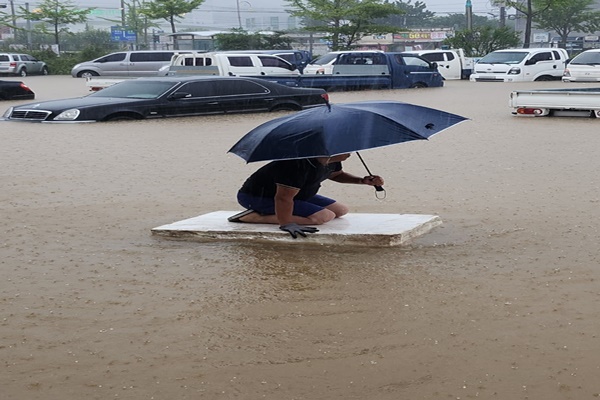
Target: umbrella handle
[(377, 188)]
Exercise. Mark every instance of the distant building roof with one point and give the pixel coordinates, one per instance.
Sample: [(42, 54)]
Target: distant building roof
[(198, 33)]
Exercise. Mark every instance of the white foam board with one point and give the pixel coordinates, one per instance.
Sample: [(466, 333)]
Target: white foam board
[(352, 229)]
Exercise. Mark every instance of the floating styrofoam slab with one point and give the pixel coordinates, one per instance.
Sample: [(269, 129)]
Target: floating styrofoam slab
[(352, 229)]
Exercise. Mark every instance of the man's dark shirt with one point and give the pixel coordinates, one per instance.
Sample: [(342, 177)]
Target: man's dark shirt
[(304, 174)]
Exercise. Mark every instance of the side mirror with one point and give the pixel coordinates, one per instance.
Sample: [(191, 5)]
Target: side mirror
[(531, 61), (434, 65)]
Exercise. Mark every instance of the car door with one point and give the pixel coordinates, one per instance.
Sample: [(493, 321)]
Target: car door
[(240, 95), (542, 63), (115, 64), (33, 65), (193, 98), (273, 65)]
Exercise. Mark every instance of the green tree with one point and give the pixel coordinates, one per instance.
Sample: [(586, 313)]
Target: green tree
[(411, 16), (170, 11), (531, 9), (567, 17), (240, 39), (58, 14), (345, 22), (483, 40), (459, 22)]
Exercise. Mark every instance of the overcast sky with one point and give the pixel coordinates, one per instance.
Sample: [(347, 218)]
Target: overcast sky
[(437, 6)]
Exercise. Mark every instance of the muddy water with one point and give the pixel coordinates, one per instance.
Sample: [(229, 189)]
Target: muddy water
[(499, 302)]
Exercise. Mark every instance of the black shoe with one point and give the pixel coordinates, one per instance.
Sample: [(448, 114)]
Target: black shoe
[(236, 217)]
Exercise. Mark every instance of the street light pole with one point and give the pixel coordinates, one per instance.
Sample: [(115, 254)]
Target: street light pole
[(239, 14), (123, 13), (469, 13), (28, 27)]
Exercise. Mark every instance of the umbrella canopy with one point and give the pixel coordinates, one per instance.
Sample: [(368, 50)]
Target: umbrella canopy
[(342, 128)]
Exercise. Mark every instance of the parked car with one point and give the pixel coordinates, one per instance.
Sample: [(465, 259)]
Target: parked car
[(299, 58), (521, 65), (21, 64), (158, 97), (125, 63), (585, 67), (15, 90), (228, 64), (324, 64)]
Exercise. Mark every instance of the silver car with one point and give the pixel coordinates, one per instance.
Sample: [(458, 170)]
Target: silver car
[(21, 64)]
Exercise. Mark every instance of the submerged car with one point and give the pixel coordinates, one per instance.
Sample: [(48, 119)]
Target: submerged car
[(585, 67), (171, 97), (15, 90), (21, 64)]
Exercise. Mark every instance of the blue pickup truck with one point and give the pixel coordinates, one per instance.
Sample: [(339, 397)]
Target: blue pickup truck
[(370, 70)]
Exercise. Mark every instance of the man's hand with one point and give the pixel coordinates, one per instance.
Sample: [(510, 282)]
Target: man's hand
[(295, 229)]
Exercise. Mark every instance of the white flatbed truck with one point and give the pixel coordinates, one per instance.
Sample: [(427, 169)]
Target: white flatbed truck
[(577, 102)]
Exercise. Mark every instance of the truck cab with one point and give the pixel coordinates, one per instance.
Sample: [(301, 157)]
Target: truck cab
[(521, 65)]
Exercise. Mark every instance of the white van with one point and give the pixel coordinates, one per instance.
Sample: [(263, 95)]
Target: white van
[(232, 64), (125, 63), (520, 65), (324, 64), (585, 67), (452, 64)]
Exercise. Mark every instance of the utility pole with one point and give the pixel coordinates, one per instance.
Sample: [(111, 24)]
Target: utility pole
[(469, 14), (14, 18), (28, 27), (123, 14)]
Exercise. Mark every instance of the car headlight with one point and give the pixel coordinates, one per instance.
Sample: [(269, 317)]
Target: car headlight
[(514, 71), (67, 115), (7, 112)]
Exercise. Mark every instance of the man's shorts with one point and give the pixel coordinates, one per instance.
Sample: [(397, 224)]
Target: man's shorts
[(266, 206)]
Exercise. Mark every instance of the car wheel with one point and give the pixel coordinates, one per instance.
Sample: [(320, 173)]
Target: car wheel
[(544, 78), (418, 85), (87, 74), (23, 73), (45, 71)]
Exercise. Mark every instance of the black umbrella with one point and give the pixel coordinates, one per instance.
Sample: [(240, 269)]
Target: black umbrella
[(342, 128)]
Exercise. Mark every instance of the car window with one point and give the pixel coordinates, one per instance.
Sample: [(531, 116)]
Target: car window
[(587, 57), (150, 56), (435, 57), (449, 56), (326, 59), (141, 89), (240, 61), (199, 89), (267, 61), (544, 56), (16, 57), (112, 58), (416, 61), (230, 87), (504, 57), (4, 57), (289, 57), (557, 55)]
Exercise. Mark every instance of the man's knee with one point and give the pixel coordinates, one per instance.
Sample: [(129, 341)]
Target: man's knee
[(339, 209), (321, 217)]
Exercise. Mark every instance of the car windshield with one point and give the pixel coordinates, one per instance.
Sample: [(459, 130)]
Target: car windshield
[(588, 57), (503, 57), (135, 89), (326, 59)]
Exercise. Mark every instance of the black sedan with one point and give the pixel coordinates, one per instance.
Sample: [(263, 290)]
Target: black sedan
[(15, 90), (171, 97)]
